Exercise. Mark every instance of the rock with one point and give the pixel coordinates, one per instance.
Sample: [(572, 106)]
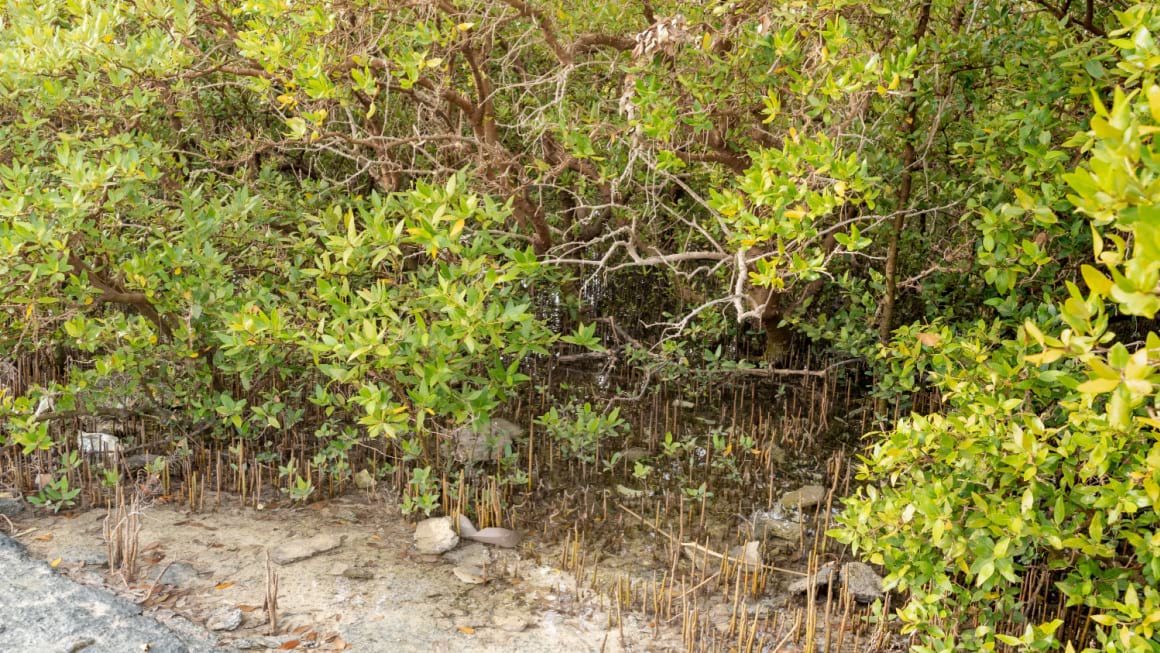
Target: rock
[(257, 644), (435, 536), (748, 556), (633, 454), (470, 574), (777, 454), (508, 621), (472, 554), (144, 461), (471, 446), (179, 574), (364, 481), (628, 492), (91, 556), (805, 497), (861, 582), (296, 550), (818, 581), (358, 573), (224, 619), (681, 403), (11, 504), (767, 526)]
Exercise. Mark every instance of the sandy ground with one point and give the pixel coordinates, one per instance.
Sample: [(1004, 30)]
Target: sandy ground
[(372, 593)]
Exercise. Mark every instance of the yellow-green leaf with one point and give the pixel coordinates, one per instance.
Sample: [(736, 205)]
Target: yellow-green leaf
[(1098, 386)]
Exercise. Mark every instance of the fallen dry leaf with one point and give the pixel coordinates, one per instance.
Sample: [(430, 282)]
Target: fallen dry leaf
[(247, 608), (222, 586), (289, 645), (929, 339), (467, 630), (47, 537), (55, 563), (301, 629)]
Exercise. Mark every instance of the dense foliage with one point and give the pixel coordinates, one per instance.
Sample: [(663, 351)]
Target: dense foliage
[(359, 219)]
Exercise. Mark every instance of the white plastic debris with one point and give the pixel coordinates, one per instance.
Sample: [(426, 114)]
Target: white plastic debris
[(98, 443), (46, 404)]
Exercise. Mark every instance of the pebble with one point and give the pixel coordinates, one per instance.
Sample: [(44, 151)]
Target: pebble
[(224, 619), (435, 535), (508, 621), (296, 550), (11, 504), (766, 526), (805, 497), (179, 574), (470, 574), (358, 573)]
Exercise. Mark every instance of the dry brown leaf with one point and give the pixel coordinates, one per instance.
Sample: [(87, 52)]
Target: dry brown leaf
[(301, 629), (929, 339), (289, 645), (311, 636), (47, 537), (467, 630), (247, 608), (222, 586)]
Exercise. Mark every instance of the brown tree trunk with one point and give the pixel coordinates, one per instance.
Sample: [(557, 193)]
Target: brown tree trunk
[(906, 130)]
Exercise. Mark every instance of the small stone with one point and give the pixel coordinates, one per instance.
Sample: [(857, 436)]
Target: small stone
[(143, 460), (179, 574), (818, 581), (628, 492), (296, 550), (748, 556), (805, 498), (358, 573), (224, 619), (861, 582), (473, 554), (470, 574), (434, 536), (681, 403), (11, 504), (511, 622), (364, 481), (633, 454), (767, 526)]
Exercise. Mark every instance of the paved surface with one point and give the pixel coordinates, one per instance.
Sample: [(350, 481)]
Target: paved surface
[(46, 612)]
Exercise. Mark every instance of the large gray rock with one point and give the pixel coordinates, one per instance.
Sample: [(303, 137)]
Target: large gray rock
[(471, 446), (435, 535), (861, 582), (296, 550), (42, 610), (805, 497)]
